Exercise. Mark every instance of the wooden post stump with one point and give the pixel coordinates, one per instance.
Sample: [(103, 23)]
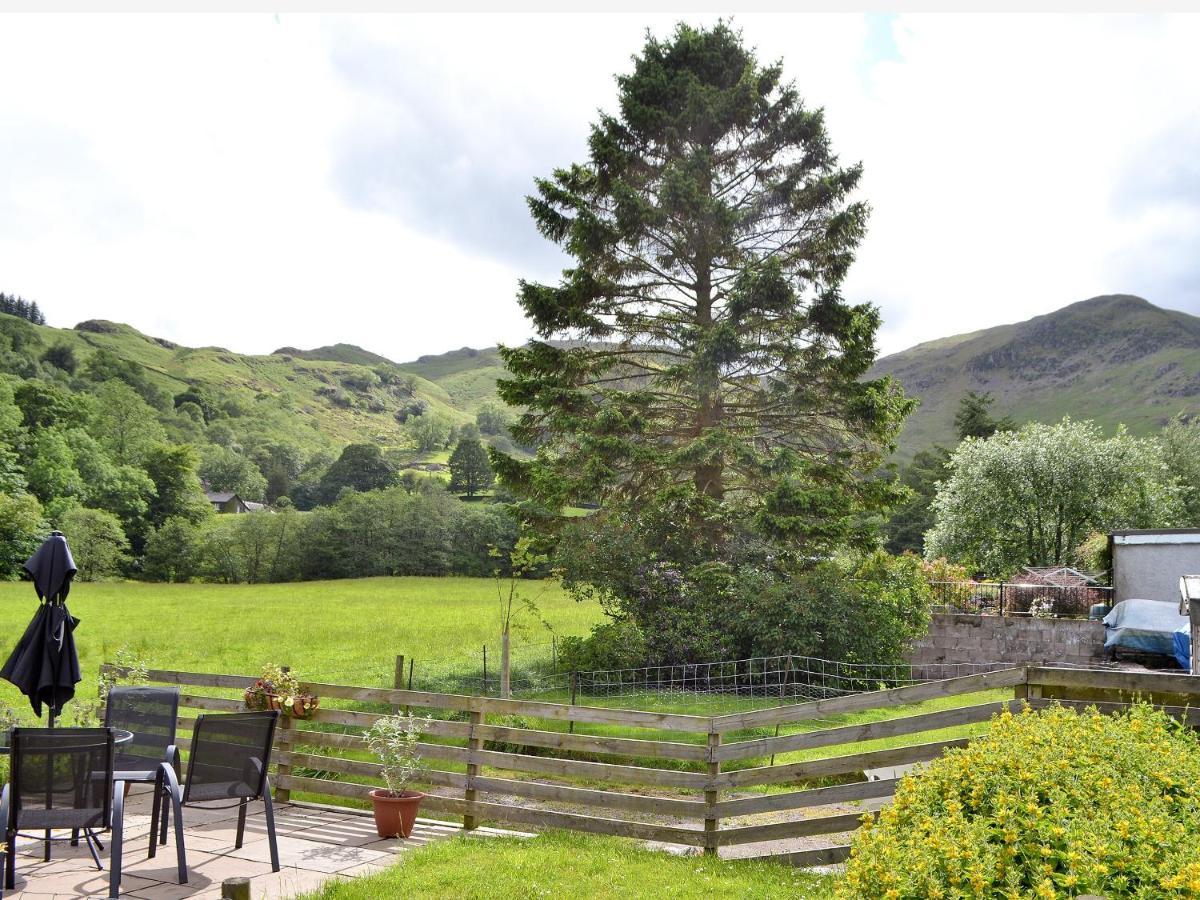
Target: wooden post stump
[(235, 888)]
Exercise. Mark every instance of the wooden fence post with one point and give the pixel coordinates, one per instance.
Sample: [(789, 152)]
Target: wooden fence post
[(284, 744), (711, 822), (1026, 691), (398, 681), (474, 744)]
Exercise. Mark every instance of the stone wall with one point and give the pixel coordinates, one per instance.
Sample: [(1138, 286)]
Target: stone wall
[(1018, 640)]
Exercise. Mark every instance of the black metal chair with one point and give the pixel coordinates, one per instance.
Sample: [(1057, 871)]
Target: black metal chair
[(228, 760), (151, 714), (62, 778)]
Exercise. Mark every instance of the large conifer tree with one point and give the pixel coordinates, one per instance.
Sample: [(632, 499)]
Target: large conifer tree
[(699, 353)]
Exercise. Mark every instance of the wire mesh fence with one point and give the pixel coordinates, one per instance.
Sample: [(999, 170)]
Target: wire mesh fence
[(754, 681), (779, 678)]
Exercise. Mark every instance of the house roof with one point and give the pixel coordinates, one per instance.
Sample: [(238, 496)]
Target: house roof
[(220, 496)]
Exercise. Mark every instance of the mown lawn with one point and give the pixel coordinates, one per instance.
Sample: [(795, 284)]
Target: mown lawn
[(347, 631), (558, 864)]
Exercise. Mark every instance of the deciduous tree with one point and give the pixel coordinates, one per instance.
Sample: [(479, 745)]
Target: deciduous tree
[(1181, 450), (124, 423), (227, 470), (470, 471), (22, 528), (361, 467), (98, 542), (172, 468), (1030, 497)]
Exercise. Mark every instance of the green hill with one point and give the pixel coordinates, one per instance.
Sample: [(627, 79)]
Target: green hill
[(319, 400), (1116, 359), (345, 353), (467, 376)]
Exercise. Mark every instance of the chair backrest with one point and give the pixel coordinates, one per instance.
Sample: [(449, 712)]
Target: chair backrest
[(61, 777), (229, 755), (151, 713)]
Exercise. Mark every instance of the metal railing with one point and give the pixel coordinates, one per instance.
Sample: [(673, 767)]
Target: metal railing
[(1006, 598)]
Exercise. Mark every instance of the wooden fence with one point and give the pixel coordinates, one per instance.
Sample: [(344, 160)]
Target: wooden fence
[(683, 779)]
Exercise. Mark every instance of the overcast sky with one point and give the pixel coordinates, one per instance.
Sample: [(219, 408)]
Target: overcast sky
[(257, 181)]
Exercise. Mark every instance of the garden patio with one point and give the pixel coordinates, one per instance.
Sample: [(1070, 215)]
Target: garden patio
[(316, 843)]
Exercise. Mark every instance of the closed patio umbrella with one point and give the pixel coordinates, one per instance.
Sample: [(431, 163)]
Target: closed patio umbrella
[(44, 665)]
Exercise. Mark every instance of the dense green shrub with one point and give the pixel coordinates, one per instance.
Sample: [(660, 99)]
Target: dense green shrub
[(859, 607), (856, 608), (611, 645), (1049, 804)]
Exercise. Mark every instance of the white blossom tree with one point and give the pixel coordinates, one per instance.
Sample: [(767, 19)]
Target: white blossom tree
[(1031, 497)]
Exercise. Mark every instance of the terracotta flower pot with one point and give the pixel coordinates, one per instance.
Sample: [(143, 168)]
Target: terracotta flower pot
[(395, 816)]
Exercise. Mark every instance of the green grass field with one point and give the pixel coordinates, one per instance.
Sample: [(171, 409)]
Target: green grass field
[(557, 864), (347, 631)]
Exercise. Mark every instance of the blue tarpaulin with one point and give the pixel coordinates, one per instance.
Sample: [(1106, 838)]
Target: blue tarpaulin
[(1147, 626), (1183, 648)]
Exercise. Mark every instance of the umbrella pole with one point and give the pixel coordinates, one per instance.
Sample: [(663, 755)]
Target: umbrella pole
[(49, 797)]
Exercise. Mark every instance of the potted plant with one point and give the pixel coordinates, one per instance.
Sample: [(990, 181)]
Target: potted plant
[(279, 689), (394, 740)]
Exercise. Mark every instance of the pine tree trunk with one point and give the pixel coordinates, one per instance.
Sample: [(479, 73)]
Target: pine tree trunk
[(709, 477)]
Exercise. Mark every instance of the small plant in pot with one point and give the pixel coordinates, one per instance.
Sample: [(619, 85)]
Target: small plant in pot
[(394, 740)]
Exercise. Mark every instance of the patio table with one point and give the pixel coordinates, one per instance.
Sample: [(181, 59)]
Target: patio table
[(120, 736)]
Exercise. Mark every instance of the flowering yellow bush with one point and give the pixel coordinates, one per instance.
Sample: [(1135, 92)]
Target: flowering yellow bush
[(1050, 804)]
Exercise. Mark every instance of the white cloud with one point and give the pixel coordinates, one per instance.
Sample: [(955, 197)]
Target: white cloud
[(252, 182)]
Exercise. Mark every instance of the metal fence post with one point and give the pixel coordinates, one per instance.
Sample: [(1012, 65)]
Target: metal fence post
[(574, 696), (485, 670)]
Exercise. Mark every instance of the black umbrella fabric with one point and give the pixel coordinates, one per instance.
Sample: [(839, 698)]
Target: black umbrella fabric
[(44, 665)]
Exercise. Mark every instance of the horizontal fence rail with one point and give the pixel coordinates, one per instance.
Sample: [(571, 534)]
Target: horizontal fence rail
[(678, 779)]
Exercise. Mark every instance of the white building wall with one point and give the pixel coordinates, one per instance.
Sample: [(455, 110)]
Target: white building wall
[(1148, 566)]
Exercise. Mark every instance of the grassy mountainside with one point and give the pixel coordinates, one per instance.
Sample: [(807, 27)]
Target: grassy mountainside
[(319, 399), (1116, 359), (467, 376)]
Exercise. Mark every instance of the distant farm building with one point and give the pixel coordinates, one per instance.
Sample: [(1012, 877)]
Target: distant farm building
[(229, 502)]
